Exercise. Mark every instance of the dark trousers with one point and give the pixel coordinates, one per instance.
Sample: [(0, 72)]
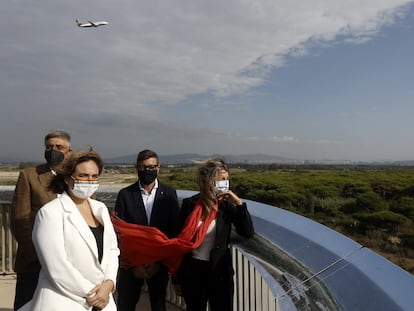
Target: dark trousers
[(26, 283), (200, 284), (129, 290)]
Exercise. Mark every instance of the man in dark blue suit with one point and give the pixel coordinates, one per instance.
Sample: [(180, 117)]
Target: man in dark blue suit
[(151, 203)]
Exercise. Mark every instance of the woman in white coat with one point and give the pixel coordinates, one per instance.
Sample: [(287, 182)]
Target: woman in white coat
[(75, 242)]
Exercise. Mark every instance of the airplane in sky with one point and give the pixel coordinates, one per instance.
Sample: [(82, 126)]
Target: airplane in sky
[(91, 24)]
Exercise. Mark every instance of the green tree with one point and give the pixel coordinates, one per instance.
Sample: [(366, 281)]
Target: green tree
[(403, 206), (385, 220), (369, 201)]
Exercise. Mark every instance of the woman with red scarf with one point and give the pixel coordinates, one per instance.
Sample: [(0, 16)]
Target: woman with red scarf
[(206, 273)]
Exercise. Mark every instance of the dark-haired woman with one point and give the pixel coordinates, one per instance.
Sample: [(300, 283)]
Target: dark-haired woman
[(75, 242)]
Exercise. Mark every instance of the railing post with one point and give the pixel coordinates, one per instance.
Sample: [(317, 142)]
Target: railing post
[(7, 240), (3, 238)]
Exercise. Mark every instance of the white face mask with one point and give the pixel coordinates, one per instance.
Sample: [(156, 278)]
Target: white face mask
[(84, 189), (222, 185)]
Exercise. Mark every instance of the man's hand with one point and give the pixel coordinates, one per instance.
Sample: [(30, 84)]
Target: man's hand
[(140, 272), (146, 271), (152, 269)]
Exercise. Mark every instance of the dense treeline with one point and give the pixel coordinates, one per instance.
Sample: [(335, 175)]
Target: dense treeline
[(372, 205)]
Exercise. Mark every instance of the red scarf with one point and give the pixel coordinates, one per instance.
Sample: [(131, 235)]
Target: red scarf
[(142, 244)]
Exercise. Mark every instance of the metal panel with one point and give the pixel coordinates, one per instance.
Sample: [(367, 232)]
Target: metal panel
[(357, 278)]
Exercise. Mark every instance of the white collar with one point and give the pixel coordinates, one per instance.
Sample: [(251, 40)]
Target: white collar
[(142, 188)]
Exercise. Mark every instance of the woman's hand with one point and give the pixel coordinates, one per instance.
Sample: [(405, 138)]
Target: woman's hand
[(99, 295), (229, 196)]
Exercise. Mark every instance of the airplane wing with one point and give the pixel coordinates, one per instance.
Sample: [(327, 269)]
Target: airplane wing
[(83, 24), (91, 24), (96, 24)]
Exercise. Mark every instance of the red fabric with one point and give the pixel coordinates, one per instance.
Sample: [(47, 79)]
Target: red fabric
[(142, 244)]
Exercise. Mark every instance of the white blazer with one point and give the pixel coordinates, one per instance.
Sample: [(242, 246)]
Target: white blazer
[(68, 253)]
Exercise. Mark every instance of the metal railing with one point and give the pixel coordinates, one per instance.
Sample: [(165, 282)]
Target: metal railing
[(8, 244), (254, 286)]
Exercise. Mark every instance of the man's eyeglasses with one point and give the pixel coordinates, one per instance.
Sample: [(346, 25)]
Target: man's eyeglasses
[(57, 147), (147, 167)]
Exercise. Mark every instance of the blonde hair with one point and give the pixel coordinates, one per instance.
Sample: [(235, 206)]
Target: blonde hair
[(206, 176)]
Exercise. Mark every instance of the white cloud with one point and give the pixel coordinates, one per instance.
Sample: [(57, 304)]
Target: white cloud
[(288, 139), (165, 51), (157, 53), (285, 139), (328, 142)]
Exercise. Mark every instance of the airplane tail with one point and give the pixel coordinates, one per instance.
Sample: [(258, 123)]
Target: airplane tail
[(78, 23)]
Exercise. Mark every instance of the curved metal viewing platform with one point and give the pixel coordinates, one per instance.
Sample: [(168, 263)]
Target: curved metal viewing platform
[(292, 263)]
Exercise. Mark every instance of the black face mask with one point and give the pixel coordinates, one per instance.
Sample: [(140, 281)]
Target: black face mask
[(54, 157), (147, 177)]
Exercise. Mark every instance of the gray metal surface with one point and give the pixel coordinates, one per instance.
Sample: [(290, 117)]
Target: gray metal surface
[(356, 277)]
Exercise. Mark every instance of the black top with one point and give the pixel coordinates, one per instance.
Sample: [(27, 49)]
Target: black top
[(98, 233)]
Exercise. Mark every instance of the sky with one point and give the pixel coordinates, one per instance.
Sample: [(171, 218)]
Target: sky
[(321, 79)]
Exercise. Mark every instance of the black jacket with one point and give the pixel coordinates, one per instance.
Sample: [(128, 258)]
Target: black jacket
[(228, 214), (130, 207)]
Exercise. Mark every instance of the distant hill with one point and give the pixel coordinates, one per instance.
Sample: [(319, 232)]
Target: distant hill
[(7, 160), (404, 163), (258, 158), (188, 158)]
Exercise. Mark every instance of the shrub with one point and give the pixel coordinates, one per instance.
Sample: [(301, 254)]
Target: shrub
[(369, 201), (386, 220)]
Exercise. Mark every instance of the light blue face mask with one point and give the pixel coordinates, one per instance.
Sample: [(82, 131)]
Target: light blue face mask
[(222, 185)]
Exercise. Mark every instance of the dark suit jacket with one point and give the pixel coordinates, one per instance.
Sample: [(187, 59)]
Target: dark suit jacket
[(30, 195), (228, 214), (130, 207)]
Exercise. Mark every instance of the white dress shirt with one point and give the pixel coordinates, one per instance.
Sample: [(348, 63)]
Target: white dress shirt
[(148, 199)]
